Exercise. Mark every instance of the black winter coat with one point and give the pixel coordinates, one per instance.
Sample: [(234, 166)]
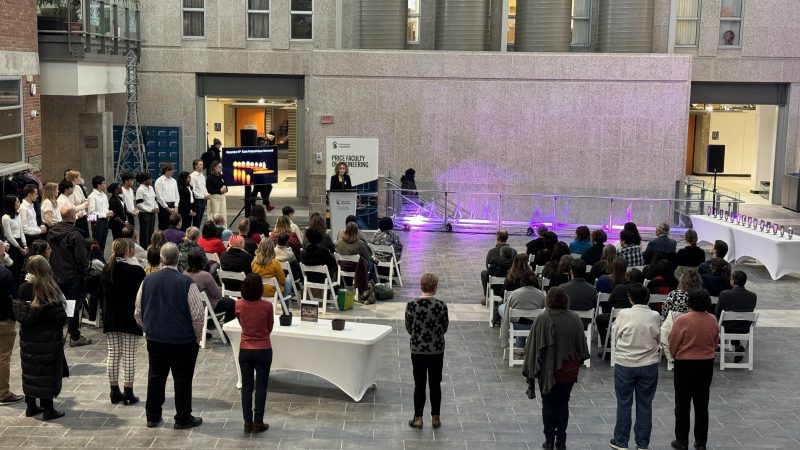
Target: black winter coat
[(41, 344), (70, 259), (119, 297)]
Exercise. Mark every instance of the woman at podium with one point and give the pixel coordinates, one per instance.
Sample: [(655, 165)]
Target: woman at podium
[(341, 180)]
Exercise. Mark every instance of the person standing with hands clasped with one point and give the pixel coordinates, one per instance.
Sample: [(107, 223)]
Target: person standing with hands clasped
[(215, 184), (554, 352), (256, 318), (427, 322), (167, 196), (636, 331)]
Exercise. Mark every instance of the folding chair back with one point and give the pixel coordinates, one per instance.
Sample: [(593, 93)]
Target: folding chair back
[(210, 314), (326, 285), (490, 297), (354, 259), (287, 270), (744, 338), (514, 316), (272, 281), (657, 298), (601, 298), (635, 267), (393, 264), (610, 344), (588, 314), (212, 257), (228, 275)]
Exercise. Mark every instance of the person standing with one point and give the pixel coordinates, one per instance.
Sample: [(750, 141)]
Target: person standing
[(49, 208), (256, 318), (555, 350), (147, 206), (167, 196), (636, 331), (426, 321), (187, 207), (169, 308), (12, 231), (214, 153), (692, 342), (8, 332), (129, 198), (121, 278), (70, 262), (118, 223), (215, 184), (41, 316), (98, 207), (340, 180), (201, 195), (78, 199), (27, 214)]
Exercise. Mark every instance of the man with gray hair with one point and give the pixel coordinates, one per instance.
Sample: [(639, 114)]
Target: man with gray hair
[(662, 243), (169, 308)]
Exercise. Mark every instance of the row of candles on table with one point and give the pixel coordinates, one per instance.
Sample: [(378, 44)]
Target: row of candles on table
[(749, 222)]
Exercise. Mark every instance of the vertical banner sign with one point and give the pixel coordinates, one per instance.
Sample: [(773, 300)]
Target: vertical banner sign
[(361, 156)]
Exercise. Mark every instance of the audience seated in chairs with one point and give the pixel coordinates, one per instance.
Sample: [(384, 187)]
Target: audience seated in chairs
[(493, 257), (551, 268), (581, 242), (258, 223), (678, 298), (267, 266), (205, 282), (663, 277), (210, 240), (662, 243), (153, 260), (691, 255), (316, 253), (387, 236), (223, 232), (630, 250), (737, 299), (637, 238), (317, 223), (582, 295), (719, 278), (236, 259), (593, 253), (537, 244), (718, 250), (528, 296), (602, 267), (352, 244), (188, 245), (284, 226), (250, 245), (546, 254), (174, 233), (285, 254), (606, 283), (519, 270), (562, 274)]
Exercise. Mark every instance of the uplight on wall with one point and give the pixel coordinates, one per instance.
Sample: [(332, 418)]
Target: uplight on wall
[(262, 100)]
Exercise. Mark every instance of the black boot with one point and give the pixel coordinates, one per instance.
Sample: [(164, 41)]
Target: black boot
[(116, 395), (50, 412), (32, 409), (128, 398)]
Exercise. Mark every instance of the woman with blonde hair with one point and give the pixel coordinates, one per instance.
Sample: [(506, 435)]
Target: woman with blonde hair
[(41, 315), (50, 213), (121, 277), (266, 265), (188, 245), (284, 226), (79, 200), (340, 181)]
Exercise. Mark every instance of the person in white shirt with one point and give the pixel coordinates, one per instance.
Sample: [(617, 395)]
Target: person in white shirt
[(27, 214), (49, 207), (197, 181), (128, 197), (12, 230), (167, 196), (636, 332), (99, 212), (288, 211), (147, 206), (78, 199)]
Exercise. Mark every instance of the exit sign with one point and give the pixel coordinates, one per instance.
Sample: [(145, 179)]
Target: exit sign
[(327, 120)]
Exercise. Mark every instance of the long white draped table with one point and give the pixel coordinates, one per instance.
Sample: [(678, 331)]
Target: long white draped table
[(348, 358), (780, 255)]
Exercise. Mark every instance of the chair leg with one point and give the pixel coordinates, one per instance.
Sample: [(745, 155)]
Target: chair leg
[(205, 328), (399, 276), (722, 344), (750, 353)]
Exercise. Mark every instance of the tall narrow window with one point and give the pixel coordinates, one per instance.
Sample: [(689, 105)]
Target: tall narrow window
[(11, 137), (687, 23), (581, 22), (194, 13), (302, 24), (730, 23), (258, 19), (412, 31), (512, 22)]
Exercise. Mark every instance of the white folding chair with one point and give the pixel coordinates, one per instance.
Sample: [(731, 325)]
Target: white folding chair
[(210, 314), (635, 267), (272, 281), (646, 282), (598, 310), (575, 255), (657, 298), (212, 257), (725, 337), (588, 314), (515, 315), (326, 285), (490, 297), (545, 283), (231, 276), (287, 270), (393, 264), (344, 273), (611, 343)]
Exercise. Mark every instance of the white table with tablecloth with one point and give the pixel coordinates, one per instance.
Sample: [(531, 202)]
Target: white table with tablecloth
[(348, 358)]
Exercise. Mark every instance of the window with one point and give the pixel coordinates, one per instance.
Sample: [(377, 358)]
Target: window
[(194, 18), (687, 23), (512, 22), (257, 19), (730, 23), (412, 31), (302, 23), (11, 137), (581, 22)]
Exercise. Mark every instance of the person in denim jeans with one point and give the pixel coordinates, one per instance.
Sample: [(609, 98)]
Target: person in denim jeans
[(636, 331)]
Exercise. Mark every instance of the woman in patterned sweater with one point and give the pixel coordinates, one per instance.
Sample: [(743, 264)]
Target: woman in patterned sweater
[(426, 322)]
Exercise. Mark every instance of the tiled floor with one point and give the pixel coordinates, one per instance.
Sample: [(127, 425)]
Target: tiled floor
[(484, 402)]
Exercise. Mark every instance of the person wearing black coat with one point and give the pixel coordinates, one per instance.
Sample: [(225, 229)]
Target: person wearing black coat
[(122, 277), (340, 181), (186, 206), (120, 218), (316, 255), (41, 339), (258, 221), (8, 332), (235, 259)]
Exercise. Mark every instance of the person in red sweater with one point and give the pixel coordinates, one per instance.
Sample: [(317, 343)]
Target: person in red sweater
[(256, 318), (692, 342), (210, 241)]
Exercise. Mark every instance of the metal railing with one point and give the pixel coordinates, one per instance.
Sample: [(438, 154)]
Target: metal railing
[(450, 209)]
